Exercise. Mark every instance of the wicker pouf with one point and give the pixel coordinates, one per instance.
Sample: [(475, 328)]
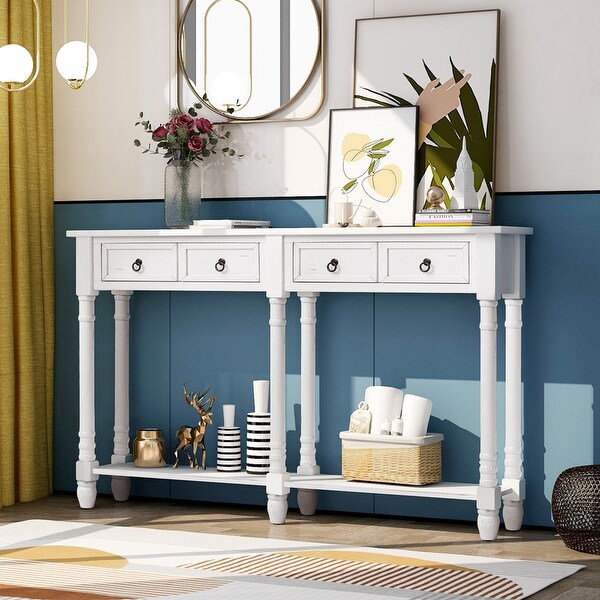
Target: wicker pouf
[(576, 508)]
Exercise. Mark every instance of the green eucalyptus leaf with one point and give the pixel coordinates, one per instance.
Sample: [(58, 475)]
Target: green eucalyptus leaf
[(137, 143), (141, 115), (231, 152)]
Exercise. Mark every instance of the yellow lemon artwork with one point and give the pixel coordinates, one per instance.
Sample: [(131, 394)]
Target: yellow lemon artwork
[(363, 158), (355, 154), (382, 185)]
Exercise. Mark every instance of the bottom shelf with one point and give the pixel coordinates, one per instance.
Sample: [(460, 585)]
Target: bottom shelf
[(444, 489)]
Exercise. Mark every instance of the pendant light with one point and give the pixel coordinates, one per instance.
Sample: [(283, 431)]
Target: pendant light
[(76, 61), (228, 84), (16, 64)]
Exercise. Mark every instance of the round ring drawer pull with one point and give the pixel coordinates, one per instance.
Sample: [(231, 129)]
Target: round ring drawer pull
[(425, 266), (137, 265), (220, 265), (332, 265)]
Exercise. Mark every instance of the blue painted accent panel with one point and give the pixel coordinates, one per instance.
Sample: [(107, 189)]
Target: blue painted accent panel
[(427, 344)]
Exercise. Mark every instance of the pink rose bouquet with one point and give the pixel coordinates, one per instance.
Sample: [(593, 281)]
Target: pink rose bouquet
[(185, 136)]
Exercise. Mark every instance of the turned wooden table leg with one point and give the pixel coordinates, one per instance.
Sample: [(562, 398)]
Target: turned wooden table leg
[(86, 479), (488, 492), (513, 484), (121, 486), (277, 489), (307, 499)]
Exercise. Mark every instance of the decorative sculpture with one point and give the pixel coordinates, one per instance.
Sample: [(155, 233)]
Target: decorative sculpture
[(435, 197), (465, 195), (193, 437)]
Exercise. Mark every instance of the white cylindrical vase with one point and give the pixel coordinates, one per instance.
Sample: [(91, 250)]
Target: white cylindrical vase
[(261, 395)]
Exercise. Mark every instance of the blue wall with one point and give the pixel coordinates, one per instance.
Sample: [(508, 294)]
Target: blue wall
[(427, 344)]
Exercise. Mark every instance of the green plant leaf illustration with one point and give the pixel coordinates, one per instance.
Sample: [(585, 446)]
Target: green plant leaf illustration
[(383, 144), (350, 185), (444, 141), (437, 180)]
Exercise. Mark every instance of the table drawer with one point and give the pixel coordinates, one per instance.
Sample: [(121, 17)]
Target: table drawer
[(220, 261), (139, 262), (335, 262), (424, 262)]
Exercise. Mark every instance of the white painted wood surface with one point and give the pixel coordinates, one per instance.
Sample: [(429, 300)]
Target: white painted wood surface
[(496, 269)]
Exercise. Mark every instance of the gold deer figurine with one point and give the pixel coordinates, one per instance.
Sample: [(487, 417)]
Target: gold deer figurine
[(194, 436)]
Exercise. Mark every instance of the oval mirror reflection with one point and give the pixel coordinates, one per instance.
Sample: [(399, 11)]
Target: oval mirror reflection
[(248, 59)]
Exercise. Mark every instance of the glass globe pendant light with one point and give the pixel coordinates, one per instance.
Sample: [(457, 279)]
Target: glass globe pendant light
[(228, 77), (16, 64), (76, 61)]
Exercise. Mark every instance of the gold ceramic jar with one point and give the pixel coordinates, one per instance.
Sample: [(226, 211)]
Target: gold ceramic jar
[(148, 448)]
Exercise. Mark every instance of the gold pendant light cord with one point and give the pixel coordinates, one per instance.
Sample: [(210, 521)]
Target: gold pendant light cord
[(76, 84)]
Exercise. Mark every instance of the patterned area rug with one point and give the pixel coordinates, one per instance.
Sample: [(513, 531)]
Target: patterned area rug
[(77, 561)]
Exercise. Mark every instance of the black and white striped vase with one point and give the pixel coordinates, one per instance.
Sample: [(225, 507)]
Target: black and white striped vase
[(258, 442), (229, 449)]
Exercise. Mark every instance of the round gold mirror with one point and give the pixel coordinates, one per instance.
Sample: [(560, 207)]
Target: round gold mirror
[(249, 59)]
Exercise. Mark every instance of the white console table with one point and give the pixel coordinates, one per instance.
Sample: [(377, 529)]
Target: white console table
[(488, 262)]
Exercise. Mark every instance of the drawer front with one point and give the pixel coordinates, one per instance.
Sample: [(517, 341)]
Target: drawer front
[(220, 261), (335, 262), (424, 262), (139, 262)]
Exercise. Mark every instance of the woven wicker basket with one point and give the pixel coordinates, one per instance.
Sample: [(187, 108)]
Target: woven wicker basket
[(576, 508), (392, 459)]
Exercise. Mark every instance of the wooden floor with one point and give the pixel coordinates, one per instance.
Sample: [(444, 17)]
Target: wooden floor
[(455, 538)]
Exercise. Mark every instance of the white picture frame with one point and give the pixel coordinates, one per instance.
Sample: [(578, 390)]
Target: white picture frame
[(372, 163)]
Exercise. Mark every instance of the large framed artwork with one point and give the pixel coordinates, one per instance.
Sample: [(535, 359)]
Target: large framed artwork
[(372, 163), (446, 64)]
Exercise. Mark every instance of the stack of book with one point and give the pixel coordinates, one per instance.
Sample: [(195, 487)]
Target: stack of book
[(231, 224), (458, 218)]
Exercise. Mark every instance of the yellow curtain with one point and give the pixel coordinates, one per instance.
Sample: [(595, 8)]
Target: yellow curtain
[(26, 266)]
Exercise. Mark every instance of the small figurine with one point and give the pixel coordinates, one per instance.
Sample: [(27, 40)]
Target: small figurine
[(194, 436), (465, 196), (435, 197)]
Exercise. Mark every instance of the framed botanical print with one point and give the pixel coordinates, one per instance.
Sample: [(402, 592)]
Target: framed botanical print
[(446, 64), (372, 162)]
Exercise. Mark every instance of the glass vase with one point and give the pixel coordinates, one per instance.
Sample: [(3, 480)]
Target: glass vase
[(183, 192)]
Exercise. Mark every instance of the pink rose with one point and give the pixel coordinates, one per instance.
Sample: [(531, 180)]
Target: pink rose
[(203, 125), (195, 143), (160, 133), (185, 121)]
